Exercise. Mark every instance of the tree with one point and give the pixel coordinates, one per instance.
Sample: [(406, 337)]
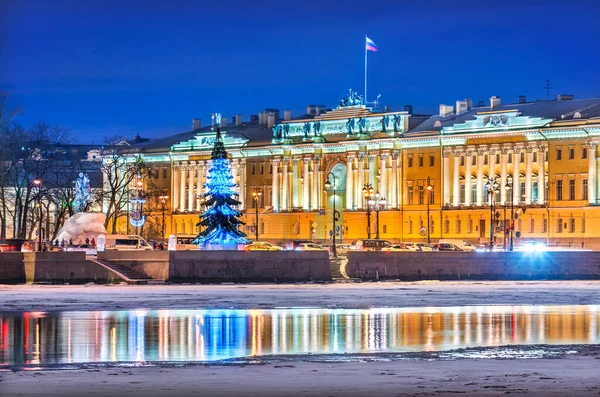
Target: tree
[(221, 221), (6, 156)]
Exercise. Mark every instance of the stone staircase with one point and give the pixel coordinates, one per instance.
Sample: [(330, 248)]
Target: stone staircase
[(130, 276)]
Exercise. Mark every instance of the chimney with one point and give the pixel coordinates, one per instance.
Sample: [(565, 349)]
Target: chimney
[(407, 108), (317, 111), (494, 102), (196, 124), (261, 118), (469, 103), (311, 110), (522, 99), (270, 120), (287, 115), (462, 106), (446, 110), (565, 97), (223, 121), (238, 119), (254, 118)]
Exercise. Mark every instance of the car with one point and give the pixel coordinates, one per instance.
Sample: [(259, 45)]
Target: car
[(447, 247), (462, 244), (397, 248), (87, 248), (371, 245), (262, 246), (310, 247), (11, 245), (291, 245)]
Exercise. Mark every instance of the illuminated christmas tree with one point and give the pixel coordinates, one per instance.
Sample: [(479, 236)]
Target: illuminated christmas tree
[(220, 222)]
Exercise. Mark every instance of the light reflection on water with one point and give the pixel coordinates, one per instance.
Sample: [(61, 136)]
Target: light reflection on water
[(211, 335)]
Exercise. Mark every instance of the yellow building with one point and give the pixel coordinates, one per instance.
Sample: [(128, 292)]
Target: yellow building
[(540, 157)]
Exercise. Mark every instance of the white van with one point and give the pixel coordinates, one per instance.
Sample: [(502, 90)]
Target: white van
[(125, 242), (462, 244), (184, 242)]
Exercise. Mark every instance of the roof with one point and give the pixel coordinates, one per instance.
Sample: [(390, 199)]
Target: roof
[(555, 110)]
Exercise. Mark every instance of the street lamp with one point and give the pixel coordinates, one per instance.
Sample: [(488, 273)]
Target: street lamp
[(336, 214), (492, 188), (38, 183), (429, 191), (139, 203), (376, 203), (163, 206), (368, 194), (256, 193), (509, 186)]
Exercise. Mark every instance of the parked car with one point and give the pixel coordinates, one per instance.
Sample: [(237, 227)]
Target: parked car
[(446, 247), (122, 242), (11, 245), (371, 245), (310, 247), (262, 246), (291, 245), (397, 248), (87, 248), (462, 244)]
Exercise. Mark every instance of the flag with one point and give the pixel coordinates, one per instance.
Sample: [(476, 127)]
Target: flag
[(371, 46)]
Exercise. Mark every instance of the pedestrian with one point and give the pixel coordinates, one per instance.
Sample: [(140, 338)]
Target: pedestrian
[(70, 242), (62, 243), (93, 242), (87, 240)]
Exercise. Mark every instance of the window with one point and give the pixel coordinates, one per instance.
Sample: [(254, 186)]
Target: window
[(270, 169), (572, 225), (410, 161), (584, 153), (462, 193), (420, 161), (431, 196), (571, 189), (510, 158), (583, 225), (522, 157), (384, 229), (522, 191), (559, 190), (474, 160), (584, 189), (559, 225), (498, 158), (531, 225), (462, 161), (262, 169), (470, 226), (571, 153), (431, 160), (164, 173), (410, 227), (545, 156), (458, 226), (535, 157), (410, 194), (421, 198), (446, 226), (534, 191), (253, 169), (559, 154), (544, 225), (485, 160)]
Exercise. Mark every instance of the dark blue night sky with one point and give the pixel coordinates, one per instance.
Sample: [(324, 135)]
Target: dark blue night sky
[(107, 68)]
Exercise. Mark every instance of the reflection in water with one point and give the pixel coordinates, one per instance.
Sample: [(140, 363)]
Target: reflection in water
[(210, 335)]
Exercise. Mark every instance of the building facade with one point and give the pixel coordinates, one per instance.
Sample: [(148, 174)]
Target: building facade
[(467, 168)]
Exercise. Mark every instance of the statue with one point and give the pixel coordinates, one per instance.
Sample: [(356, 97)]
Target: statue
[(317, 128), (350, 126), (306, 129), (82, 192), (397, 120), (353, 98), (286, 130), (362, 123), (384, 122), (276, 131)]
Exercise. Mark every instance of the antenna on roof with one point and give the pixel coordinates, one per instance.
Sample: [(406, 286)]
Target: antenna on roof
[(547, 88)]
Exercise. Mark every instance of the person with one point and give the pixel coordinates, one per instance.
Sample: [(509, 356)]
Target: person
[(70, 242), (93, 242), (56, 243), (87, 240), (62, 243)]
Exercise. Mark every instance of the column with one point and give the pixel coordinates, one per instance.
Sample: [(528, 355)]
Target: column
[(382, 174), (394, 182), (295, 193), (191, 191), (516, 177), (479, 199), (284, 185), (275, 186), (200, 185), (468, 175), (492, 162), (175, 187), (542, 174), (591, 172), (503, 175), (372, 171), (349, 197), (456, 179), (315, 188), (528, 174), (446, 180), (183, 170), (305, 185), (242, 183), (399, 181), (360, 181)]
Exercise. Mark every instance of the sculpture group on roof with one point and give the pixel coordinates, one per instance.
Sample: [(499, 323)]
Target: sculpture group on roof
[(353, 98)]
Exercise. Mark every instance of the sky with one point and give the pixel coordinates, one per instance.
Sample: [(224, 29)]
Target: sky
[(116, 68)]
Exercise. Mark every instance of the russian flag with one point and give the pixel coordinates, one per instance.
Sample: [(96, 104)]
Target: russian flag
[(371, 46)]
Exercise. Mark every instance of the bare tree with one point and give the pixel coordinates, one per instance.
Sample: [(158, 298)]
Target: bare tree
[(7, 116)]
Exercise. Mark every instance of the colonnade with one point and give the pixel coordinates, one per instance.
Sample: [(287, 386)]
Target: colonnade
[(189, 178)]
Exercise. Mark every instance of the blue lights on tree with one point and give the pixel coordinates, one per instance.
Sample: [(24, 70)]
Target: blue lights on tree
[(220, 222)]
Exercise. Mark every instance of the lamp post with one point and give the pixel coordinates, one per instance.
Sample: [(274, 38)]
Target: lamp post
[(378, 204), (38, 183), (429, 191), (492, 188), (256, 193), (163, 206), (509, 186), (368, 194), (336, 214), (139, 202)]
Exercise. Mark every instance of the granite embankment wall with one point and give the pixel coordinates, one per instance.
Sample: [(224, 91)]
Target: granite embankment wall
[(55, 267), (219, 266), (557, 265)]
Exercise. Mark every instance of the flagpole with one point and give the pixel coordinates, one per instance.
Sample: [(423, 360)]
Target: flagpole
[(365, 69)]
